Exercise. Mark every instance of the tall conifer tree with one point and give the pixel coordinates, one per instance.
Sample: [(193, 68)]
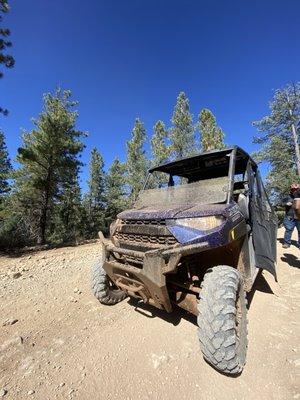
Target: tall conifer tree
[(212, 136), (161, 151), (68, 217), (95, 200), (279, 140), (182, 133), (49, 161), (160, 148), (5, 166), (136, 162), (116, 191)]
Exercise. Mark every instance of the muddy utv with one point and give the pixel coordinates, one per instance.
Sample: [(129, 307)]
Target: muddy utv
[(196, 237)]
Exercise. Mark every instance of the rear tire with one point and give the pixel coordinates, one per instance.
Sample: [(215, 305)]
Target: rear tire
[(222, 319), (103, 288)]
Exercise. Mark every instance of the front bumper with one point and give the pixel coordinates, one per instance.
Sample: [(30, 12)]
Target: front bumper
[(147, 281)]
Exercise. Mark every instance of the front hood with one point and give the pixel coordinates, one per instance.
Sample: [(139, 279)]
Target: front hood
[(180, 211)]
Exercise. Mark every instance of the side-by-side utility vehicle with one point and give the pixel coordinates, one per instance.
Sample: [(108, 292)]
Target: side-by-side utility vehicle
[(196, 237)]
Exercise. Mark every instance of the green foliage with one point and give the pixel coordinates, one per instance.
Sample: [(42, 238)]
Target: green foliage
[(116, 191), (161, 151), (5, 167), (68, 218), (276, 140), (212, 136), (97, 180), (279, 154), (136, 162), (49, 162), (182, 133), (5, 59), (13, 232), (95, 198), (160, 148)]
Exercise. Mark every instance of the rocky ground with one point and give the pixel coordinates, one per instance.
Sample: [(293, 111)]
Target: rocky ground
[(58, 342)]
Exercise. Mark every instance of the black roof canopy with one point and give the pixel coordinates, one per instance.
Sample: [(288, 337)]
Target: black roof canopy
[(206, 165)]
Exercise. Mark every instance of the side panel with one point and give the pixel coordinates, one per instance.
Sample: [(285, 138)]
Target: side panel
[(264, 224)]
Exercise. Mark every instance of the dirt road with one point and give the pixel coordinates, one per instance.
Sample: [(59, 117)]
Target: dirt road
[(58, 342)]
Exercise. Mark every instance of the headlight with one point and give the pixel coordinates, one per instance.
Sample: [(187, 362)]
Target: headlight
[(201, 223)]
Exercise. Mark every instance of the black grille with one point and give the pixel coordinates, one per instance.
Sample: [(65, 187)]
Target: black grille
[(144, 222), (143, 235), (151, 239)]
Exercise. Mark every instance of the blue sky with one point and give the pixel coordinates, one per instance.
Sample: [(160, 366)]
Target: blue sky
[(128, 59)]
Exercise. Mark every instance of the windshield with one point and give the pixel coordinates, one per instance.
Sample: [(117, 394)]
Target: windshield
[(208, 191)]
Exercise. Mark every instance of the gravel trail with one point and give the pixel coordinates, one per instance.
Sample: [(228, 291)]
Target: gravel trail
[(58, 342)]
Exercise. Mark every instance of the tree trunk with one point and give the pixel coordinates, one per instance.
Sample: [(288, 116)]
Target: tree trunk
[(295, 137), (43, 219)]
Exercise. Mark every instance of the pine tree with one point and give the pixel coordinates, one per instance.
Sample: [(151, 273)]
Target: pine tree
[(279, 154), (8, 226), (279, 140), (5, 59), (136, 162), (49, 162), (182, 133), (97, 180), (116, 191), (161, 151), (5, 166), (95, 199), (212, 136), (67, 222)]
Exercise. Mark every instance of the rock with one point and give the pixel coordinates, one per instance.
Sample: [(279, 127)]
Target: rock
[(3, 392), (14, 341), (30, 392), (73, 300), (62, 384), (76, 290), (16, 275), (297, 362), (10, 321), (159, 360)]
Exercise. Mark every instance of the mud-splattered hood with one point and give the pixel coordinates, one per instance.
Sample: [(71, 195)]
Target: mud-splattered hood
[(182, 211)]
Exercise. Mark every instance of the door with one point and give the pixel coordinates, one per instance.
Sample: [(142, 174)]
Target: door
[(263, 222)]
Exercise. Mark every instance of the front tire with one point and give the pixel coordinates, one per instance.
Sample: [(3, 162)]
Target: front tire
[(222, 319), (103, 288)]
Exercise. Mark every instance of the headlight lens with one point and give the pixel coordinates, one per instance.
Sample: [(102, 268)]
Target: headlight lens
[(201, 223)]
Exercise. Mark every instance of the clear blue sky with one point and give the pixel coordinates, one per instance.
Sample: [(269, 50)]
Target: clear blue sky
[(130, 58)]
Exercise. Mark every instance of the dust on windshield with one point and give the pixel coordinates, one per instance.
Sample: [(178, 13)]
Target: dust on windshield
[(208, 191)]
